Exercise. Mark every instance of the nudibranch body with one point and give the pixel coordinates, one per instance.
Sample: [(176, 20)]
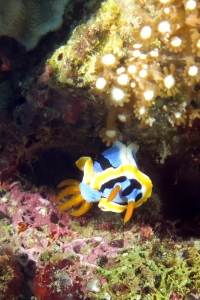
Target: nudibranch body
[(113, 180)]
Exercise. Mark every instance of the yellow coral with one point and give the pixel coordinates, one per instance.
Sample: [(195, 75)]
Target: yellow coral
[(109, 134), (140, 111), (191, 71), (195, 39), (169, 82), (137, 56), (176, 43)]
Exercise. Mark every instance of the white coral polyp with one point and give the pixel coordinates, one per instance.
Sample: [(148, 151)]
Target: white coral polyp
[(143, 56), (137, 46), (164, 27), (143, 73), (176, 41), (100, 83), (122, 118), (193, 71), (154, 53), (149, 95), (136, 53), (122, 79), (190, 4), (132, 69), (142, 110), (111, 133), (120, 70), (198, 44), (166, 10), (146, 32), (117, 94), (177, 115), (169, 81), (133, 84), (108, 59)]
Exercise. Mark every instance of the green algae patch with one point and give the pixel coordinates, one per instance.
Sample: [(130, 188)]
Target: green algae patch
[(73, 63), (152, 271)]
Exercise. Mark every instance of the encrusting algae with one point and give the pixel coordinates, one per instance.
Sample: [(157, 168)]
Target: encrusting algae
[(141, 57), (153, 272)]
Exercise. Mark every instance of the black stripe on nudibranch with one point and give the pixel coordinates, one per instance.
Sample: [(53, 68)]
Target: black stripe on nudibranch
[(138, 197), (111, 183), (134, 184), (103, 161)]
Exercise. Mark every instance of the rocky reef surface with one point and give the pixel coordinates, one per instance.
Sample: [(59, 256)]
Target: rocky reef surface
[(126, 70)]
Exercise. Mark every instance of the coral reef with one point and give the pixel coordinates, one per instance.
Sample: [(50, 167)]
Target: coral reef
[(26, 21), (92, 257), (139, 58)]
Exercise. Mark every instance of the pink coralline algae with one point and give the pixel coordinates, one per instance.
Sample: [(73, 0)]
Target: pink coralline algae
[(39, 230), (60, 281), (34, 219), (175, 296), (92, 249), (147, 232)]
